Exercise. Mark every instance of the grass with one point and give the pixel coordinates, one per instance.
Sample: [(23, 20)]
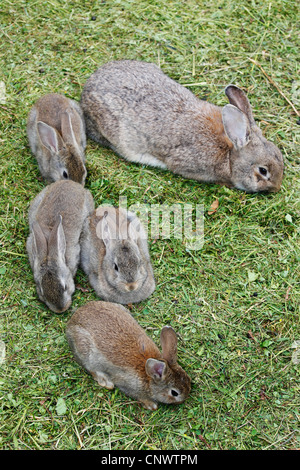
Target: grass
[(234, 303)]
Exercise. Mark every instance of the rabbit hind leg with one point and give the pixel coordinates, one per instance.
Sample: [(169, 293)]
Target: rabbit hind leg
[(144, 158), (103, 380), (93, 132)]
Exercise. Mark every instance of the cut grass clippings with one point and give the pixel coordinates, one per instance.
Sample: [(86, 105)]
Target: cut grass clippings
[(234, 303)]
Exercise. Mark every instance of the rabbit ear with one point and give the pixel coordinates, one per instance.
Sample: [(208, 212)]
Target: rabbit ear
[(168, 341), (67, 129), (39, 246), (102, 230), (236, 126), (155, 368), (238, 98), (136, 230), (105, 232), (57, 241), (48, 136), (134, 227)]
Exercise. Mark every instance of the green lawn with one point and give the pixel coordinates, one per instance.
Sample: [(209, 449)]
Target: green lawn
[(234, 303)]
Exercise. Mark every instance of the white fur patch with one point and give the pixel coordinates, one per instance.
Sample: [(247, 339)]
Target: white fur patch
[(145, 159)]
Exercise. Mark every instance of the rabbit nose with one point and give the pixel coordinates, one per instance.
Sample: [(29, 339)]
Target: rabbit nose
[(131, 286), (63, 309)]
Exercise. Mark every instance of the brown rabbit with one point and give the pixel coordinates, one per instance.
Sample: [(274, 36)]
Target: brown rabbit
[(56, 135), (146, 117), (108, 342)]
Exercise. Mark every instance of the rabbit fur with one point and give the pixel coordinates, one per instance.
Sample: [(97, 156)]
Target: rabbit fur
[(56, 217), (108, 342), (56, 135), (115, 256), (146, 117)]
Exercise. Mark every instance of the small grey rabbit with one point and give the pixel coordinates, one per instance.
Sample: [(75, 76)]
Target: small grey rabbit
[(108, 342), (56, 135), (56, 217), (115, 256), (146, 117)]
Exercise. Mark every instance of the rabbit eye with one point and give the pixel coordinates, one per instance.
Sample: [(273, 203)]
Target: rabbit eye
[(263, 171), (116, 267), (65, 174), (174, 393)]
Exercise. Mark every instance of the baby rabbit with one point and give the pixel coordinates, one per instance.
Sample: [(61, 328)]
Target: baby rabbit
[(56, 134), (146, 117), (115, 256), (108, 342), (56, 217)]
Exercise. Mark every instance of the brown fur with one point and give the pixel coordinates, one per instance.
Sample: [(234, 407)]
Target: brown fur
[(128, 341), (108, 342), (63, 124), (49, 109)]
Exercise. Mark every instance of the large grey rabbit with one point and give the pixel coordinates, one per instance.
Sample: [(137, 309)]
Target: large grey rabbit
[(56, 217), (115, 256), (146, 117), (56, 135), (109, 343)]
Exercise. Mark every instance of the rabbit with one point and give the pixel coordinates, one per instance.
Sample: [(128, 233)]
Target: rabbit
[(57, 138), (56, 217), (109, 343), (143, 115), (115, 256)]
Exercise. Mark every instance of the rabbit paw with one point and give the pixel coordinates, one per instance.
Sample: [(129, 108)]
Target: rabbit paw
[(149, 405), (103, 380)]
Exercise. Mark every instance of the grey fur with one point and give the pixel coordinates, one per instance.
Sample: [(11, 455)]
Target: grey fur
[(146, 117), (56, 217), (56, 135), (115, 256)]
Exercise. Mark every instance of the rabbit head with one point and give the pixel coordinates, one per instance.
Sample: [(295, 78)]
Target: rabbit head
[(67, 160), (169, 382), (256, 164), (54, 281), (122, 261)]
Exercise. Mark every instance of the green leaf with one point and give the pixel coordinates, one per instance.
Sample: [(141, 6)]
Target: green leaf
[(43, 437), (61, 407), (252, 276), (266, 343)]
